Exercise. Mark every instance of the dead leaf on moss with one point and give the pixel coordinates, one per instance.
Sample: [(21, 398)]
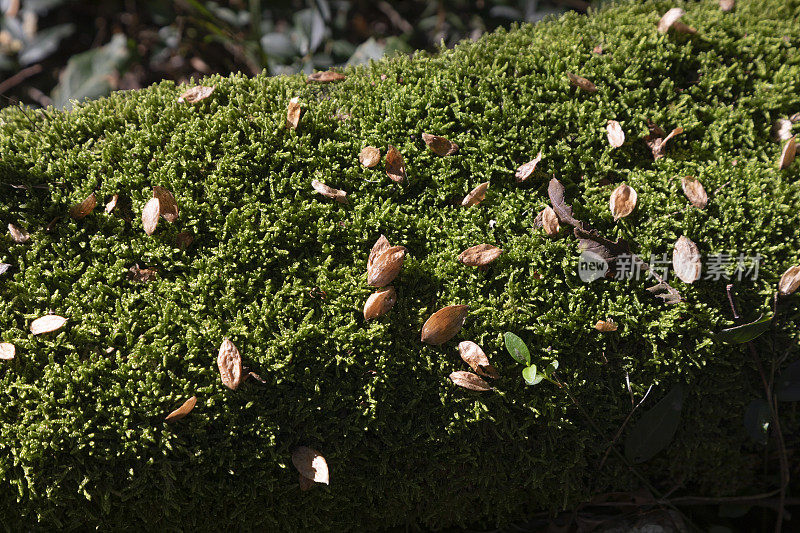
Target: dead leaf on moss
[(305, 483), (4, 268), (476, 195), (386, 266), (671, 20), (781, 130), (47, 324), (196, 94), (326, 76), (548, 219), (112, 203), (18, 234), (582, 83), (616, 137), (329, 192), (293, 112), (150, 215), (230, 364), (379, 303), (470, 381), (84, 208), (311, 464), (444, 324), (556, 191), (686, 260), (167, 204), (395, 166), (135, 273), (658, 142), (525, 171), (380, 245), (727, 5), (623, 201), (369, 156), (7, 351), (439, 145), (473, 355), (788, 153), (605, 326), (790, 281), (694, 191), (182, 411), (480, 255)]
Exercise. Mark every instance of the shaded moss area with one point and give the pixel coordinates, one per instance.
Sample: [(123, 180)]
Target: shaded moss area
[(280, 270)]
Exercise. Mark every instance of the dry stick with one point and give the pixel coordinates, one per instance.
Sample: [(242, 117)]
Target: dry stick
[(773, 411), (624, 423), (19, 77)]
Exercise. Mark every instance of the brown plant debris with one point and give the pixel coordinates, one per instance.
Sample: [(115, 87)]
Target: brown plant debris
[(83, 209), (311, 464), (788, 153), (473, 355), (182, 411), (230, 364), (112, 203), (7, 351), (293, 112), (790, 281), (167, 204), (386, 266), (781, 130), (196, 94), (686, 260), (605, 326), (395, 166), (671, 20), (694, 191), (379, 303), (380, 245), (136, 273), (329, 192), (727, 5), (444, 324), (525, 171), (369, 156), (480, 255), (150, 215), (18, 235), (439, 145), (184, 239), (47, 324), (582, 83), (470, 381), (622, 201), (326, 76), (616, 137), (657, 140), (476, 195)]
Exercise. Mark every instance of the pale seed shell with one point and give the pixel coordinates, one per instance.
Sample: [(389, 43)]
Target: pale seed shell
[(329, 192), (293, 112), (386, 266), (167, 204), (112, 203), (473, 355), (669, 19), (182, 411), (311, 464), (790, 281), (150, 215), (379, 303), (476, 195), (781, 130), (326, 76), (380, 245), (616, 137), (196, 94), (369, 156), (686, 260), (18, 234), (84, 208), (47, 324), (550, 221), (480, 255), (582, 83), (439, 145), (727, 5), (444, 324), (788, 153), (622, 201), (525, 171), (395, 166), (230, 364), (694, 191), (605, 325), (7, 351), (470, 381)]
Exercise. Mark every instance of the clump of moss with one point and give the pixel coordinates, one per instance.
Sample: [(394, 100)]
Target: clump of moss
[(280, 271)]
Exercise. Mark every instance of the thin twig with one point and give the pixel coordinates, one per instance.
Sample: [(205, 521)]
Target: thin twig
[(19, 77), (622, 427)]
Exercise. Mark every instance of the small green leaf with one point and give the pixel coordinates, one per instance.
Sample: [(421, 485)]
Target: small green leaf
[(529, 375), (516, 347), (756, 420), (745, 332), (655, 429)]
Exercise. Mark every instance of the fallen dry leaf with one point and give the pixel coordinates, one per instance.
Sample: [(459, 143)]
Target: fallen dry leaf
[(616, 137), (230, 364), (380, 245), (305, 483), (325, 76), (476, 195), (379, 303), (694, 191), (7, 351), (47, 324), (135, 273), (293, 112), (582, 83), (150, 215), (439, 145), (550, 221), (112, 203), (18, 234), (781, 130), (790, 281), (444, 324), (671, 19), (727, 5), (470, 381), (605, 326), (329, 192), (196, 94), (686, 260), (84, 208), (386, 266), (622, 201), (4, 268), (311, 464), (369, 156), (480, 255), (182, 411), (658, 142), (395, 166), (167, 204), (525, 171), (788, 153), (473, 355), (556, 192)]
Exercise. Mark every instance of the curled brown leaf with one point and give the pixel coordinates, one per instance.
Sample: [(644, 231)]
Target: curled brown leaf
[(395, 166), (473, 355), (605, 326), (525, 171), (439, 145), (112, 203), (230, 364), (369, 156), (293, 112), (329, 192), (582, 83), (196, 94), (379, 303), (150, 215), (311, 464), (168, 207), (380, 245), (480, 255), (386, 266), (790, 281), (182, 411), (7, 351), (18, 235), (47, 324), (470, 381), (671, 20), (84, 208), (781, 130), (788, 153), (136, 273), (616, 137), (622, 201), (727, 5), (550, 221), (686, 260), (476, 195), (326, 76)]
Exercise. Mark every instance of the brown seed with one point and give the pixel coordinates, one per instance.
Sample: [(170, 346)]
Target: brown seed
[(480, 255), (671, 19), (325, 76), (657, 144), (781, 130), (439, 145), (135, 273), (305, 483), (616, 137), (182, 411), (380, 245), (395, 166), (112, 203), (623, 201), (150, 215), (525, 171), (311, 464), (727, 5), (230, 364), (694, 191), (476, 195), (329, 192), (369, 156), (686, 260), (293, 112), (18, 234), (379, 303), (84, 208), (788, 153), (184, 239), (470, 381), (790, 281), (444, 324), (473, 355), (582, 83), (47, 324), (167, 204), (196, 94), (7, 351), (550, 221), (605, 325), (386, 266)]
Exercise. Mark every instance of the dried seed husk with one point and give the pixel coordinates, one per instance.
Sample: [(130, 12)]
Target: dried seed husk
[(395, 166), (135, 273), (167, 204), (379, 303), (386, 266), (182, 411), (230, 364), (305, 483), (326, 76), (473, 355), (84, 208), (550, 221), (480, 255), (196, 94), (582, 83), (444, 324), (788, 153), (616, 137), (329, 192), (293, 112), (470, 381), (671, 19), (380, 245), (686, 260), (727, 5), (694, 191), (184, 239), (476, 195), (525, 171), (657, 144), (4, 268), (605, 326), (439, 145), (47, 324), (7, 351), (369, 156), (781, 130), (311, 464), (623, 201), (150, 215), (790, 281), (18, 234), (112, 203)]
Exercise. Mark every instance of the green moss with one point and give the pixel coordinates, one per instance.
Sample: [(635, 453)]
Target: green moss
[(83, 441)]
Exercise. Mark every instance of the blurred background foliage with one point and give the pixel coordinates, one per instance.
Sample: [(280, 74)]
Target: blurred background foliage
[(54, 51)]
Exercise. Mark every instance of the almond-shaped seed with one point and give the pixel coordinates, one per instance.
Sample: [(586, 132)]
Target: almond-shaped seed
[(550, 221), (18, 234), (380, 245), (167, 204), (525, 171), (581, 83), (379, 303), (605, 326), (694, 191), (623, 201), (727, 5), (47, 324), (326, 76), (480, 255), (444, 324), (112, 203), (669, 19), (686, 260), (616, 137), (230, 364), (293, 112), (311, 464), (7, 351), (83, 209), (470, 381), (473, 355), (781, 130), (386, 266), (196, 94), (788, 153), (790, 281), (329, 192), (369, 156), (439, 145), (182, 411), (476, 195), (150, 215), (395, 166)]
